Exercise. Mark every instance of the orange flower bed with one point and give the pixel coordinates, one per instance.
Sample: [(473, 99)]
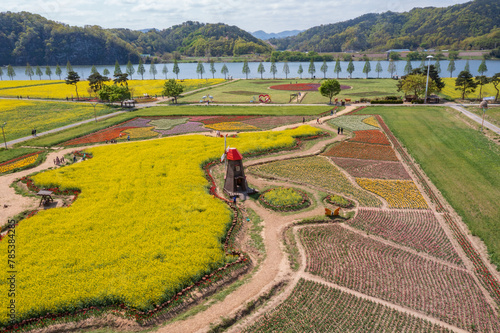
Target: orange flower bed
[(101, 136), (371, 136), (362, 151)]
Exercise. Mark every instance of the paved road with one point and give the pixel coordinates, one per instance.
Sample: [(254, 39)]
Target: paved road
[(10, 143), (476, 118)]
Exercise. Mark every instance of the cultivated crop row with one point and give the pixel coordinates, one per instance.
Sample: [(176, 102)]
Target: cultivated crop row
[(397, 193), (371, 168), (362, 151), (19, 162), (314, 307), (316, 171), (419, 230), (352, 123), (368, 266), (370, 136)]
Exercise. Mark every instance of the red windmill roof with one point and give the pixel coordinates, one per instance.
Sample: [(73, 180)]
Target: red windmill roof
[(234, 155)]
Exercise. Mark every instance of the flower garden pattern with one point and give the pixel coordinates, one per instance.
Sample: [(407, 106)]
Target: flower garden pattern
[(362, 150), (417, 229), (284, 199), (370, 136), (372, 168), (373, 268), (339, 201), (371, 121), (352, 123), (397, 193), (314, 307), (20, 162), (231, 126)]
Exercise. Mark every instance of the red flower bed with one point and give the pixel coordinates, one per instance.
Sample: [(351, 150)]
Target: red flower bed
[(302, 87), (362, 151), (21, 157), (100, 136), (370, 136)]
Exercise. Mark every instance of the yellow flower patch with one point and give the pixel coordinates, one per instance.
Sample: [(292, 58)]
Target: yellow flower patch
[(371, 121), (139, 132), (19, 164), (397, 193), (231, 126)]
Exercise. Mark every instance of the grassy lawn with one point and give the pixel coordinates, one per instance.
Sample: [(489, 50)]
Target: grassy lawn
[(492, 114), (23, 116), (179, 110), (243, 91), (8, 154), (462, 163)]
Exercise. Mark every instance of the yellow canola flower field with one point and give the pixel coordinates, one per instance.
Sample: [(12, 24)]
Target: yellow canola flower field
[(19, 164), (450, 91), (231, 126), (61, 90), (6, 84), (143, 227), (397, 193)]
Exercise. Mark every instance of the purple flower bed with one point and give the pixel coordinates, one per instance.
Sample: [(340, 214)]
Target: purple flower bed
[(372, 169), (189, 127), (138, 122)]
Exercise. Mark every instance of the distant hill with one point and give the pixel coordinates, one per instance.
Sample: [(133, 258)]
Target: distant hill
[(260, 34), (26, 37), (472, 25)]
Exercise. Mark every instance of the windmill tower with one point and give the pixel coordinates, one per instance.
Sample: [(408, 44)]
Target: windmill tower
[(235, 181)]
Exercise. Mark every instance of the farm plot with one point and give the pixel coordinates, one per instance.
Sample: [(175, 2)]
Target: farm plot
[(319, 172), (397, 193), (362, 150), (418, 230), (143, 227), (352, 123), (314, 307), (372, 169), (370, 136), (358, 263)]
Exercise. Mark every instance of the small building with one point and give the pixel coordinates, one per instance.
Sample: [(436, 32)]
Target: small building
[(433, 99), (235, 181)]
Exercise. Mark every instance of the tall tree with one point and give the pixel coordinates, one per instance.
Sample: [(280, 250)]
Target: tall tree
[(1, 73), (300, 71), (130, 69), (176, 69), (465, 83), (117, 70), (38, 72), (324, 68), (69, 68), (467, 66), (312, 68), (415, 84), (165, 70), (329, 88), (286, 69), (246, 69), (121, 79), (273, 69), (11, 72), (481, 80), (152, 69), (408, 67), (437, 65), (212, 69), (261, 69), (337, 68), (200, 69), (367, 68), (451, 67), (105, 72), (96, 82), (29, 71), (172, 89), (73, 79), (391, 68), (93, 70), (140, 69), (378, 69), (224, 71), (482, 67), (495, 81), (58, 71), (350, 68)]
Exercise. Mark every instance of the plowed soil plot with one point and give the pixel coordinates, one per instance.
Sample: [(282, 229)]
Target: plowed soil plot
[(314, 307), (362, 151), (373, 268), (419, 230), (371, 168), (371, 136)]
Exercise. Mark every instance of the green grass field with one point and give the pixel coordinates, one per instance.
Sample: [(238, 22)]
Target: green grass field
[(243, 91), (462, 163), (9, 154), (492, 114)]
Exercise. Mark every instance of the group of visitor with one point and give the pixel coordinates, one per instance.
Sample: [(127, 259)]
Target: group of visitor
[(60, 161)]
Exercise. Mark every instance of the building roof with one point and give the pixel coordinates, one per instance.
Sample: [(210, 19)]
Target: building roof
[(234, 155)]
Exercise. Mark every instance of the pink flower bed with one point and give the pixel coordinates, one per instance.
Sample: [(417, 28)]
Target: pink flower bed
[(372, 168)]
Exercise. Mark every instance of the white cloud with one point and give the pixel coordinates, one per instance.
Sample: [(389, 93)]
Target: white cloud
[(270, 16)]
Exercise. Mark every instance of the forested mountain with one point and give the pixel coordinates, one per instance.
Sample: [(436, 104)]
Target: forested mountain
[(26, 37), (472, 25)]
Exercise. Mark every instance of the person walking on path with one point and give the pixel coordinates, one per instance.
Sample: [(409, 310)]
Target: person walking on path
[(342, 130), (303, 120), (338, 131)]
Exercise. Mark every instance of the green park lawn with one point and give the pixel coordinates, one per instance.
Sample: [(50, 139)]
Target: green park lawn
[(462, 163), (243, 91)]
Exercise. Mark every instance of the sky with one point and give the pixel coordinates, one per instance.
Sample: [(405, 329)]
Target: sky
[(270, 16)]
